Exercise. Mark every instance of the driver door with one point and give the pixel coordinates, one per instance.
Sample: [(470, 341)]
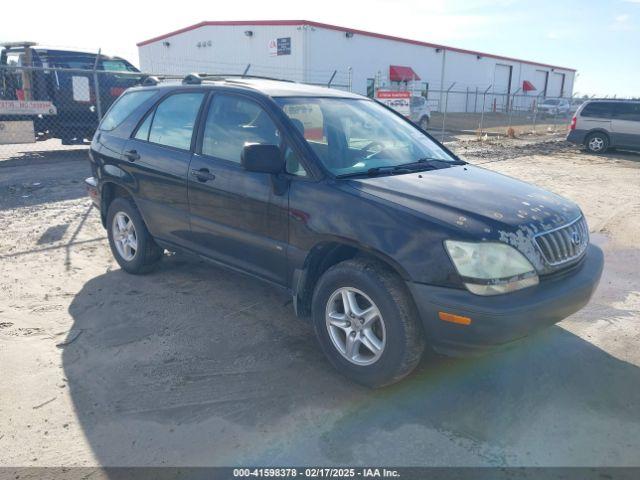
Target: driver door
[(236, 218)]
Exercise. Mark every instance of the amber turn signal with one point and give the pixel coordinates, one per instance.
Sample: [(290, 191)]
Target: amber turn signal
[(450, 317)]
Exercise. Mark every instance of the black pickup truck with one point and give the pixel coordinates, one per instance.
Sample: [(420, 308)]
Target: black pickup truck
[(64, 78), (384, 238)]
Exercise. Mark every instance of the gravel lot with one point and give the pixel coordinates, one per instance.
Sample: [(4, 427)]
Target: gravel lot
[(193, 365)]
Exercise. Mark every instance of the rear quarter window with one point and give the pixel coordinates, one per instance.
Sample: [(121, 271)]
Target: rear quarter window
[(123, 107), (597, 109)]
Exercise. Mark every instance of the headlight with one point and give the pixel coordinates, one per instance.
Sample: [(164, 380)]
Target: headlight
[(491, 268)]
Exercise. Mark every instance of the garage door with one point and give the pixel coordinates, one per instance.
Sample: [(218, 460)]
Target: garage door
[(556, 85), (501, 85), (540, 81)]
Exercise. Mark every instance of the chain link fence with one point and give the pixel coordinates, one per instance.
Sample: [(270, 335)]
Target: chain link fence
[(458, 108), (51, 109), (42, 103)]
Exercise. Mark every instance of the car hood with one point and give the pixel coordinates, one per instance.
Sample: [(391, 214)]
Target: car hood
[(477, 203)]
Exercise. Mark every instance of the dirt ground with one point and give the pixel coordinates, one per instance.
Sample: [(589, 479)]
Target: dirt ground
[(193, 365)]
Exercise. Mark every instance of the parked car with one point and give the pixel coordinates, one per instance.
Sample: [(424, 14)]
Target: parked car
[(420, 111), (72, 92), (575, 104), (601, 124), (384, 238), (554, 107)]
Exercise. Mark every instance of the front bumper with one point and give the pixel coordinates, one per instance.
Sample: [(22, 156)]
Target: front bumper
[(497, 320)]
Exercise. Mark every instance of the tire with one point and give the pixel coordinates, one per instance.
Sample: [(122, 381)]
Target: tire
[(142, 254), (597, 142), (424, 123), (398, 334)]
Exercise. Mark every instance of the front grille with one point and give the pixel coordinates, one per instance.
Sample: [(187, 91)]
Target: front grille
[(564, 244)]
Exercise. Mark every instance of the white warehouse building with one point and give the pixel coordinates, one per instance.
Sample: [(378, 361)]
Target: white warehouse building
[(361, 61)]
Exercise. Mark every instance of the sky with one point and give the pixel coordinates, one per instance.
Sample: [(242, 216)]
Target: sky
[(600, 39)]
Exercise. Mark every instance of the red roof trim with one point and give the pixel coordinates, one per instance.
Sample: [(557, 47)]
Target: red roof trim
[(327, 26)]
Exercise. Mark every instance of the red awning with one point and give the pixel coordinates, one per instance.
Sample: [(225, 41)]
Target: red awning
[(402, 74), (527, 86)]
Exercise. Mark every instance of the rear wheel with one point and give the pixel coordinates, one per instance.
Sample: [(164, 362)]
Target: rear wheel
[(366, 322), (597, 142), (424, 122), (131, 244)]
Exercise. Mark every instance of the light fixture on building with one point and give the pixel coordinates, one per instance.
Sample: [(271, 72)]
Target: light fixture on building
[(478, 57), (438, 50), (248, 33), (166, 44), (348, 34)]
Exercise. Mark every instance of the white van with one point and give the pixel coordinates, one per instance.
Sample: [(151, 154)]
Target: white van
[(600, 124)]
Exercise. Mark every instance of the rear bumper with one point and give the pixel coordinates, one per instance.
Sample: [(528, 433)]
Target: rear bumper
[(576, 136), (500, 319), (91, 184)]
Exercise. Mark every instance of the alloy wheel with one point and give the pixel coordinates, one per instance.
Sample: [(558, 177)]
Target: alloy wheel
[(355, 326), (124, 236), (596, 144)]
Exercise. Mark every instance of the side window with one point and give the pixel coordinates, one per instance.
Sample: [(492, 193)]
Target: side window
[(627, 111), (123, 107), (232, 123), (174, 119), (597, 110)]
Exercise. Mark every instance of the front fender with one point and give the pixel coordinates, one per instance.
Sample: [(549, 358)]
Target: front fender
[(412, 245)]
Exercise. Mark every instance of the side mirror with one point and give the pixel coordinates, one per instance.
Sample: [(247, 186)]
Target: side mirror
[(262, 158)]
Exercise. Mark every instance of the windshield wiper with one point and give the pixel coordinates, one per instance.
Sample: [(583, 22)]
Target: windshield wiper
[(372, 172), (436, 162), (421, 164)]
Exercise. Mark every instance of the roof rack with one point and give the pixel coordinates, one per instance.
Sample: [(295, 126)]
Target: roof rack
[(150, 81), (197, 78)]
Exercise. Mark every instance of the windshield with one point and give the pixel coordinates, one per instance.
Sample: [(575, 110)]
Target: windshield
[(352, 136), (117, 66)]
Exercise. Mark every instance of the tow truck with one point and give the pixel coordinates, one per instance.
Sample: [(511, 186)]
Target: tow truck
[(51, 92)]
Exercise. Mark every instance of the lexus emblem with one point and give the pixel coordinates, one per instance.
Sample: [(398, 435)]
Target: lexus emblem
[(575, 238)]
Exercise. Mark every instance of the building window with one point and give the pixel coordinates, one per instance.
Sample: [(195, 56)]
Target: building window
[(371, 87)]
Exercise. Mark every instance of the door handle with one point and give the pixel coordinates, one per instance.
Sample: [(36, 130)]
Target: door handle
[(132, 155), (203, 175)]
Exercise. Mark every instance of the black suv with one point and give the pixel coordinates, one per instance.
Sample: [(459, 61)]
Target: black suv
[(383, 237)]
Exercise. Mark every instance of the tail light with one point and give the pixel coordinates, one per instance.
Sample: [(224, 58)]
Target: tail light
[(573, 123)]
